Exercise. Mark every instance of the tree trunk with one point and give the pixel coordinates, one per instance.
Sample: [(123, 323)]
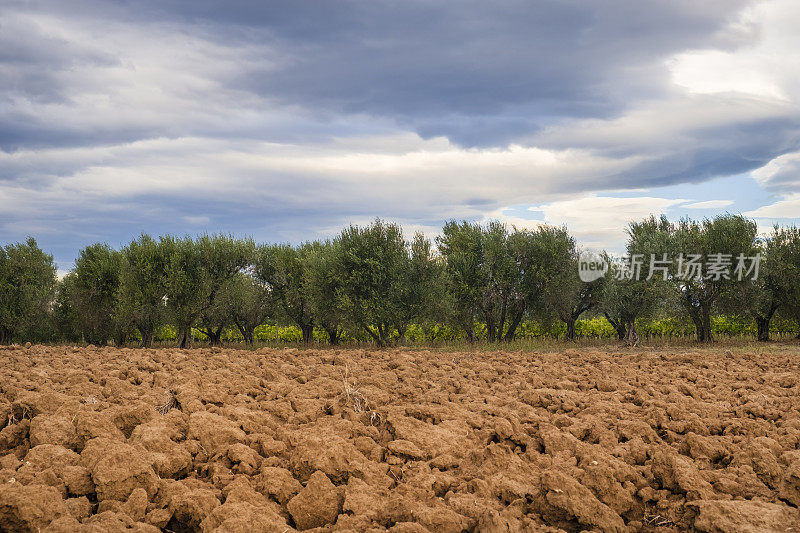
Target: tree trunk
[(401, 334), (762, 323), (214, 336), (333, 334), (619, 327), (308, 333), (571, 334), (383, 333), (513, 325), (490, 328), (702, 321), (120, 339), (248, 333), (631, 336), (147, 336), (502, 323), (762, 327), (469, 331), (185, 337), (5, 336)]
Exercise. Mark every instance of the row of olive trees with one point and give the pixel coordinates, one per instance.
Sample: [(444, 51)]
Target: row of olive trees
[(184, 282), (369, 281), (773, 288)]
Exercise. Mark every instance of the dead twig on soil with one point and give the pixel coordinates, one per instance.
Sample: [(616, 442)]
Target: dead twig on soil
[(656, 520), (356, 399), (352, 394), (171, 403)]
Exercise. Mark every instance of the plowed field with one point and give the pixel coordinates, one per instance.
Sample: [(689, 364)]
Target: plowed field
[(106, 439)]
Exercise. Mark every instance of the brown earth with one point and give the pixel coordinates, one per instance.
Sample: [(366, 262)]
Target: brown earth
[(110, 439)]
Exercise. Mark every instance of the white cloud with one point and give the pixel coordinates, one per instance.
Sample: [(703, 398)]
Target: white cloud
[(599, 222), (785, 168), (398, 175), (166, 106), (766, 69), (789, 207), (197, 220), (715, 71), (709, 204)]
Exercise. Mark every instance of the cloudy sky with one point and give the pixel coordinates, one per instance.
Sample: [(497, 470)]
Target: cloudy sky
[(286, 120)]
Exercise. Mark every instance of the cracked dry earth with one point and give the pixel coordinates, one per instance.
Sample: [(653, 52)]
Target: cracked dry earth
[(105, 439)]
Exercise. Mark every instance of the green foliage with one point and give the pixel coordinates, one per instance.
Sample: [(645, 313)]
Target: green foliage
[(65, 318), (496, 276), (282, 269), (374, 269), (783, 257), (196, 271), (95, 295), (245, 303), (323, 283), (726, 234), (144, 285), (722, 237), (369, 285), (426, 298), (563, 294), (27, 290), (628, 296), (461, 245)]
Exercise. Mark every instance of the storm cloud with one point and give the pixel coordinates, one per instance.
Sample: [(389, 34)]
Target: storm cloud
[(287, 119)]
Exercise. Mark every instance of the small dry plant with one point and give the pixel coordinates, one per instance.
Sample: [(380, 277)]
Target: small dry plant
[(353, 396), (170, 403), (656, 520)]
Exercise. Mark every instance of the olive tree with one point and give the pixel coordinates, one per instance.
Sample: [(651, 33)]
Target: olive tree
[(242, 302), (426, 298), (717, 241), (144, 285), (196, 272), (540, 257), (66, 319), (628, 293), (186, 285), (322, 285), (777, 286), (213, 319), (95, 295), (27, 288), (282, 268), (373, 265), (760, 297), (481, 275), (461, 246), (248, 303), (501, 274), (787, 266), (563, 295)]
